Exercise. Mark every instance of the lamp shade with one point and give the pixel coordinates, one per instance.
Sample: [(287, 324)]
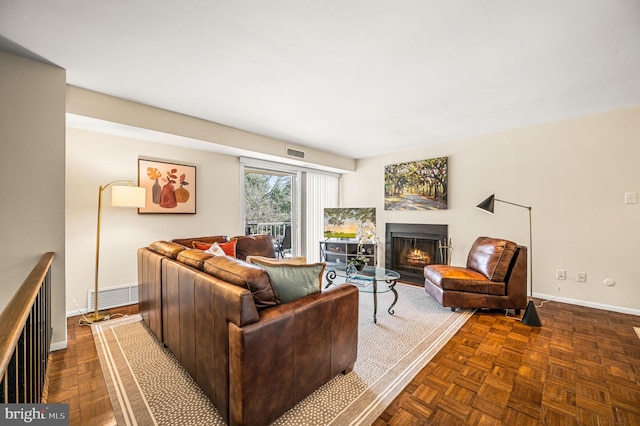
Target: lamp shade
[(128, 196), (487, 205)]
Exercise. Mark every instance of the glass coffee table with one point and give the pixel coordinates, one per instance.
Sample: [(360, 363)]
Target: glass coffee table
[(370, 280)]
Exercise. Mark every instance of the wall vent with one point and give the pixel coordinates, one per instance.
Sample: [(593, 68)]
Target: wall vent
[(113, 297), (295, 153)]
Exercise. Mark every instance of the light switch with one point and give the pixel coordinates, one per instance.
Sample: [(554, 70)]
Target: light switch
[(630, 197)]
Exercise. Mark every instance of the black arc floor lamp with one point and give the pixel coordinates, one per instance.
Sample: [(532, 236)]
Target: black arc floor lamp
[(530, 316), (121, 196)]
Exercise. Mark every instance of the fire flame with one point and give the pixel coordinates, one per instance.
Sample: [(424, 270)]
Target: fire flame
[(418, 257)]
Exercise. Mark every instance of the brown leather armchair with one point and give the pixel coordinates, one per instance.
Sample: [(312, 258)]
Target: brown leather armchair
[(495, 277)]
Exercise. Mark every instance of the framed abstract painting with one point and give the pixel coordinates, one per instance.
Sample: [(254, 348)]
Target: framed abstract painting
[(171, 187)]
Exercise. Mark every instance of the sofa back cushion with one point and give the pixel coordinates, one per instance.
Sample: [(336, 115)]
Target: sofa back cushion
[(188, 242), (166, 248), (254, 245), (242, 274), (491, 257), (194, 258)]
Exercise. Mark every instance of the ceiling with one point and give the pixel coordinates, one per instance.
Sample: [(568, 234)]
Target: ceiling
[(356, 78)]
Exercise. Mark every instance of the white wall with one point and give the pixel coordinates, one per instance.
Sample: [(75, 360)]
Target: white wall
[(94, 159), (574, 174), (32, 129)]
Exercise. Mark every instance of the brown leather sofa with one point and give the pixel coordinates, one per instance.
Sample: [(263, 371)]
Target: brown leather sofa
[(254, 357), (495, 277)]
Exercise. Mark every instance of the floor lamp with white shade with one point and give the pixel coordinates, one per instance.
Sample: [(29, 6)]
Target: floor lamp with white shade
[(121, 196), (530, 316)]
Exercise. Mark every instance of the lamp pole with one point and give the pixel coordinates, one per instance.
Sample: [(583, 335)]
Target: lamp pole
[(530, 244), (96, 317), (530, 316)]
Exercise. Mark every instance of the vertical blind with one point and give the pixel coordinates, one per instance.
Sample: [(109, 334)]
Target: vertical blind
[(321, 190)]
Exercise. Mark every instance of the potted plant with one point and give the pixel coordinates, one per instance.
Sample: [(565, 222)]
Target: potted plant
[(366, 234), (359, 261)]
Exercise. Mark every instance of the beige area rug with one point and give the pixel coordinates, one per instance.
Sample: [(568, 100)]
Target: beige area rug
[(147, 386)]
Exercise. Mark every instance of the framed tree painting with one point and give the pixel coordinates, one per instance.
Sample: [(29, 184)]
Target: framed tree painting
[(343, 222), (418, 185), (171, 187)]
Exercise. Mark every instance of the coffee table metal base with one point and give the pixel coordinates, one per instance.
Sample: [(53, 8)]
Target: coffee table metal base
[(391, 283)]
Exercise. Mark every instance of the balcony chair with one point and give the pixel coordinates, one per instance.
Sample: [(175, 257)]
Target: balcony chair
[(283, 243), (495, 277)]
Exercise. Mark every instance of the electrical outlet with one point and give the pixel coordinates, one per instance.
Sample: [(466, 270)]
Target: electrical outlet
[(630, 197), (581, 277), (561, 274)]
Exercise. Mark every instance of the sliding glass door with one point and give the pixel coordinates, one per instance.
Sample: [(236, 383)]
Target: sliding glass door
[(270, 206)]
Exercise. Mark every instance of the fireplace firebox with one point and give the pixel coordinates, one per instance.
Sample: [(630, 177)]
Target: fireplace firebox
[(409, 247)]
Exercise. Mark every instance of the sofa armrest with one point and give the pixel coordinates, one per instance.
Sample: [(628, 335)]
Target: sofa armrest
[(197, 309), (149, 289), (295, 348)]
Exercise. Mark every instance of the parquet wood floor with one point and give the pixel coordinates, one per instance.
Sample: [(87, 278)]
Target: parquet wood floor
[(75, 376), (581, 368)]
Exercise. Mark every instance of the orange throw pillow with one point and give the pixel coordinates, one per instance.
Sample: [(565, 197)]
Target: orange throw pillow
[(229, 248), (201, 246)]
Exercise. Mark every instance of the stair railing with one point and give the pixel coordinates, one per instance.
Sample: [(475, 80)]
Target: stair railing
[(25, 337)]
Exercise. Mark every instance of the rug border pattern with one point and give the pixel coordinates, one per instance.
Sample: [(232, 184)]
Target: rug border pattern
[(131, 407)]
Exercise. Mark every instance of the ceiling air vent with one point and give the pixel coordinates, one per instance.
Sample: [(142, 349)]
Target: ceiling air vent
[(295, 153)]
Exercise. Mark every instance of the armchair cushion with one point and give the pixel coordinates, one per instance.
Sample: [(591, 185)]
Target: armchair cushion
[(456, 278), (491, 257)]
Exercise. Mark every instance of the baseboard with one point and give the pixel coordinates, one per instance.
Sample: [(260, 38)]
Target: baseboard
[(76, 312), (81, 311), (594, 305)]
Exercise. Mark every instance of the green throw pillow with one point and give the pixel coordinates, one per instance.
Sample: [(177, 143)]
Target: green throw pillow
[(295, 281)]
